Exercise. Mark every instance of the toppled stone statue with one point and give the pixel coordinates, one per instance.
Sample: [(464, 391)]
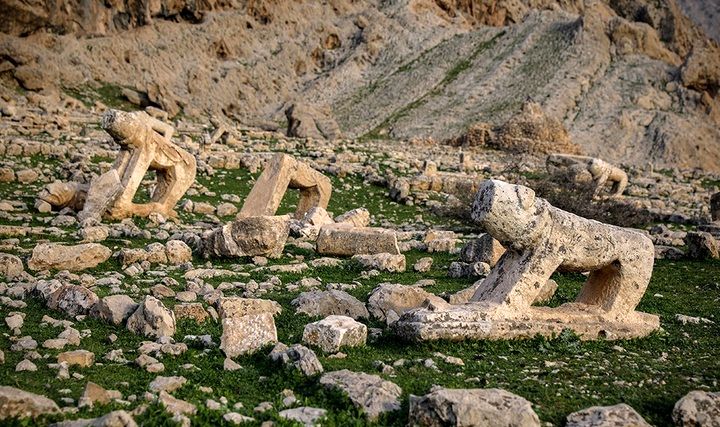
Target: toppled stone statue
[(144, 145), (583, 168), (539, 239), (281, 173)]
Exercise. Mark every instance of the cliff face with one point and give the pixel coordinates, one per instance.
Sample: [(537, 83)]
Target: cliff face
[(633, 81)]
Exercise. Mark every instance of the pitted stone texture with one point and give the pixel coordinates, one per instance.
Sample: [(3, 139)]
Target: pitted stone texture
[(697, 408), (540, 239), (193, 310), (297, 356), (53, 256), (599, 172), (72, 299), (114, 309), (283, 172), (389, 301), (249, 236), (334, 332), (382, 262), (144, 145), (10, 266), (368, 392), (326, 303), (483, 249), (248, 325), (345, 240), (471, 407), (152, 319), (22, 404), (177, 252), (606, 416)]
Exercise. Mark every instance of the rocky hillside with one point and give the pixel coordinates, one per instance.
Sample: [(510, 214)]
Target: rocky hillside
[(633, 81)]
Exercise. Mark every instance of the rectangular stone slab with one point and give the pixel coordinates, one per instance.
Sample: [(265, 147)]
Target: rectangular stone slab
[(346, 240), (480, 321)]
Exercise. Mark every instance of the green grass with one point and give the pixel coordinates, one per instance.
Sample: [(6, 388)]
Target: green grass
[(559, 375)]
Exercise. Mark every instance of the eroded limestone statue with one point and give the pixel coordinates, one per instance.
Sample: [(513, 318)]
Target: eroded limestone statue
[(600, 171), (144, 145), (540, 239), (281, 173)]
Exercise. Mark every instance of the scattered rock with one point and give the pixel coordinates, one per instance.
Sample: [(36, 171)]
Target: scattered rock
[(471, 407), (620, 415), (389, 301), (335, 332), (249, 236), (382, 261), (53, 256), (114, 309), (297, 356), (697, 408), (21, 404), (326, 303), (72, 299), (81, 358), (248, 325), (346, 240), (152, 319), (368, 392), (10, 266), (304, 415)]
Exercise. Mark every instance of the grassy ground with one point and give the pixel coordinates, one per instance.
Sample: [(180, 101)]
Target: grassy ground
[(558, 375)]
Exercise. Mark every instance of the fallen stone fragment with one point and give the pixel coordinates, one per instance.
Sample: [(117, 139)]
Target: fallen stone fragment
[(22, 404), (344, 240), (94, 393), (176, 406), (73, 300), (114, 309), (326, 303), (249, 236), (304, 415), (235, 418), (177, 252), (359, 217), (168, 384), (297, 356), (81, 358), (697, 408), (194, 311), (423, 265), (471, 407), (118, 418), (389, 301), (248, 325), (368, 392), (483, 249), (25, 366), (152, 319), (471, 270), (701, 245), (53, 256), (10, 266), (382, 262), (334, 332), (617, 415)]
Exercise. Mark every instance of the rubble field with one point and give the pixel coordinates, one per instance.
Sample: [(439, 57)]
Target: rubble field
[(133, 319)]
